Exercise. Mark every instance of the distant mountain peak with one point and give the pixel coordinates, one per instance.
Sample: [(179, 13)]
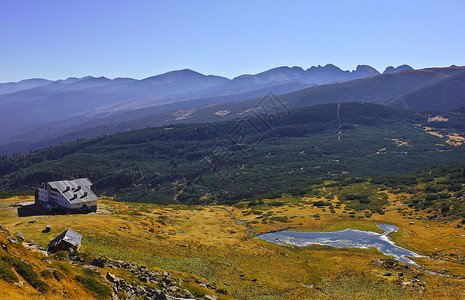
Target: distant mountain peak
[(401, 68)]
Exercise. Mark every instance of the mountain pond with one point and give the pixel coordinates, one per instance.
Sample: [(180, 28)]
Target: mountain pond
[(350, 238)]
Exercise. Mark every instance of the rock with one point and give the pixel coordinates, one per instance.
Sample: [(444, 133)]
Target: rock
[(412, 223), (210, 297), (4, 247), (459, 225), (99, 261), (110, 277), (400, 274), (387, 274), (12, 240), (140, 290), (426, 226), (32, 222), (114, 296)]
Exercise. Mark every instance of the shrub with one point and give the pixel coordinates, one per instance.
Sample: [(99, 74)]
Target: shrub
[(276, 203), (221, 291), (364, 200), (61, 255), (89, 272), (46, 274), (280, 219), (102, 290), (58, 275), (321, 203), (6, 273), (29, 275)]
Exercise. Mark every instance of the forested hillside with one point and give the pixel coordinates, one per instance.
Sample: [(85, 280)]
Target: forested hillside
[(234, 160)]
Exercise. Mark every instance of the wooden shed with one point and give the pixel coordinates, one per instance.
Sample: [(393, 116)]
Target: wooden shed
[(69, 240)]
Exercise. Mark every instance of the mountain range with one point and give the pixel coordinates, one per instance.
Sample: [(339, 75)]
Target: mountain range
[(83, 108)]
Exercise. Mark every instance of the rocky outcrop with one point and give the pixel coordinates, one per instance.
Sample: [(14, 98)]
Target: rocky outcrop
[(168, 287)]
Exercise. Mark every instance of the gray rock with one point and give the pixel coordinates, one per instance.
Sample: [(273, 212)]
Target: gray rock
[(140, 290), (111, 277), (99, 261), (387, 274), (20, 236)]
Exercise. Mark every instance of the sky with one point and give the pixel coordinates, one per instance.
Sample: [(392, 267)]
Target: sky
[(115, 38)]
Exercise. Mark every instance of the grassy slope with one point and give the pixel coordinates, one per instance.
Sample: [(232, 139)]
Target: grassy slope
[(156, 164), (55, 288), (205, 241)]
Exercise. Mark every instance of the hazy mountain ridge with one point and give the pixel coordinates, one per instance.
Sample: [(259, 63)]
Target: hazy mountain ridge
[(448, 93), (377, 89), (47, 103)]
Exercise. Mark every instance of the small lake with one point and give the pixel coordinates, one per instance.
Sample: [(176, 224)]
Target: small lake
[(348, 238)]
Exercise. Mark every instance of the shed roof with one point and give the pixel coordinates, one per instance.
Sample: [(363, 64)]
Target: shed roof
[(69, 236)]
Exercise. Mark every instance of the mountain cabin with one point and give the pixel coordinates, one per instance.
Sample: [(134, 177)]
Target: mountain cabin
[(72, 196), (69, 240)]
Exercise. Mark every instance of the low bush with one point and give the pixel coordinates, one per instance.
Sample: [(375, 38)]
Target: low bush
[(29, 275), (6, 273), (102, 290)]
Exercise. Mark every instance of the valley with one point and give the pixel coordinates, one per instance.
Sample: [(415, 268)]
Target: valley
[(219, 150), (208, 242)]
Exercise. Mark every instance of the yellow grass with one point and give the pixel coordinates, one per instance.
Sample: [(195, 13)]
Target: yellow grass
[(207, 242)]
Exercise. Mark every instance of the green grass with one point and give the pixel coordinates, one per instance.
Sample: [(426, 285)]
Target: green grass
[(356, 286), (26, 271), (100, 289), (6, 273)]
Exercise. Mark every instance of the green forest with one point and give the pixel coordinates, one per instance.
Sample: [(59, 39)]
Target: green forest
[(230, 161)]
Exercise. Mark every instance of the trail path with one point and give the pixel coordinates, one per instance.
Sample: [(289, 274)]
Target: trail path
[(340, 121), (240, 222)]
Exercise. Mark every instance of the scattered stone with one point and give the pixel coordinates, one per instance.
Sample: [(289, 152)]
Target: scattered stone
[(99, 261), (111, 277), (12, 240), (387, 274), (210, 297), (426, 226), (412, 223), (459, 225), (32, 222)]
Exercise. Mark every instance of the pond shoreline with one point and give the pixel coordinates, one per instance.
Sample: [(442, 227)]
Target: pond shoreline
[(347, 238)]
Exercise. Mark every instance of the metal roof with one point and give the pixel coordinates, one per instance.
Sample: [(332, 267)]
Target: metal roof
[(69, 236), (76, 190)]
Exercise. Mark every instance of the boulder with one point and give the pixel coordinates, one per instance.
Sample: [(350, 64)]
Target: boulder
[(111, 277), (99, 261)]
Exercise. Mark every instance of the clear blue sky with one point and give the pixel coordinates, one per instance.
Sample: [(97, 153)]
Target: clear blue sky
[(58, 39)]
